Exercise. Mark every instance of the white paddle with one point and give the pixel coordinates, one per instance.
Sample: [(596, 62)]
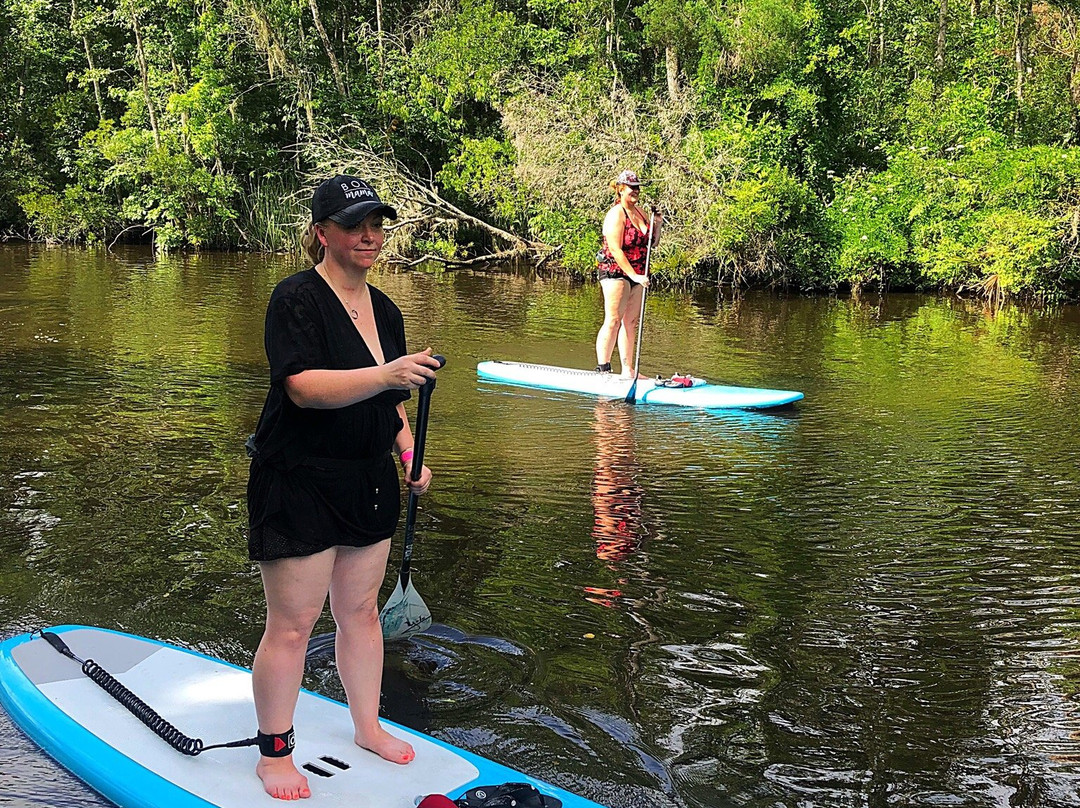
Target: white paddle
[(631, 396)]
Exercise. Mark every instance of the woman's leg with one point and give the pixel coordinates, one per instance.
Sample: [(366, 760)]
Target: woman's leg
[(628, 330), (616, 293), (295, 593), (354, 593)]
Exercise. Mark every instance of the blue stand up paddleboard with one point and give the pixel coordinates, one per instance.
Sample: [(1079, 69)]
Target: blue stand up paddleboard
[(90, 732), (700, 393)]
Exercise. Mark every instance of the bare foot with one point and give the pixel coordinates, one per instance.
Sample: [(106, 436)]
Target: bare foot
[(386, 746), (281, 779)]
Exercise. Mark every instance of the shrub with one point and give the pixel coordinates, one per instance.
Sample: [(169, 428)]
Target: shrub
[(74, 214), (989, 217)]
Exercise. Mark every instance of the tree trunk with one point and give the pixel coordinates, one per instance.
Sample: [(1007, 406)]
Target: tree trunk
[(89, 64), (871, 26), (378, 26), (942, 24), (140, 55), (671, 63), (327, 46), (185, 119), (881, 31), (1020, 51), (613, 49), (875, 40), (1074, 86)]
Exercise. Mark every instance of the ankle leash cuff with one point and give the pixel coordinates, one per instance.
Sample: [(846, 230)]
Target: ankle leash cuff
[(276, 745)]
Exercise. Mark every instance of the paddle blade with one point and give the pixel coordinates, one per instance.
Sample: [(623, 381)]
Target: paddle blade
[(405, 613)]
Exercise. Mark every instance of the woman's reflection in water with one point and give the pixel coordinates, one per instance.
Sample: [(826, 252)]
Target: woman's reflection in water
[(616, 494)]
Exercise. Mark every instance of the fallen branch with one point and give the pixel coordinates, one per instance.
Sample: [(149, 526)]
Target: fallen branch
[(458, 263), (555, 251), (422, 206), (130, 227)]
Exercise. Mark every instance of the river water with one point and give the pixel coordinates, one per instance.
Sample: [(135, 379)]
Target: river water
[(870, 599)]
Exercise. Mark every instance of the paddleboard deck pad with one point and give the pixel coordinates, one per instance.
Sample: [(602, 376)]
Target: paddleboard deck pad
[(701, 394), (91, 734)]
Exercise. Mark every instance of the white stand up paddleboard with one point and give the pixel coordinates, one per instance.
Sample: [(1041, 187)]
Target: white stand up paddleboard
[(89, 732), (701, 394)]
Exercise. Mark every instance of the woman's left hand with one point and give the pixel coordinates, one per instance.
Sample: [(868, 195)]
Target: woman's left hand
[(419, 486)]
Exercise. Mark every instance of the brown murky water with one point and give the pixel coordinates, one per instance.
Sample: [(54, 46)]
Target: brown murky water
[(868, 600)]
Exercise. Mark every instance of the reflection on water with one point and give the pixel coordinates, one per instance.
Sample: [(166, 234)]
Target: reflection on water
[(869, 599), (616, 493)]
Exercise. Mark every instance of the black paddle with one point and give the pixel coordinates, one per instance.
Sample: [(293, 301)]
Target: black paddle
[(631, 396), (405, 612)]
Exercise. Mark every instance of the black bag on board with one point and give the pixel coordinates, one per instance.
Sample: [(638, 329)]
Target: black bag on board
[(507, 795)]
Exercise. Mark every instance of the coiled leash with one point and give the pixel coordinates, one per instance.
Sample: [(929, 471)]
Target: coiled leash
[(270, 745)]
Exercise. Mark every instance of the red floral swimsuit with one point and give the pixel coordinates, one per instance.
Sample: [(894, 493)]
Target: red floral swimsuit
[(635, 245)]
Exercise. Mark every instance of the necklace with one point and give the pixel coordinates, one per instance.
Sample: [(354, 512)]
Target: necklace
[(349, 307)]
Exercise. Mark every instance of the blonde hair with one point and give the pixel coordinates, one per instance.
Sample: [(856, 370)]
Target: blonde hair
[(311, 245), (617, 189)]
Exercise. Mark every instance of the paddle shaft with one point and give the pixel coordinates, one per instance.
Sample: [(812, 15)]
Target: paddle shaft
[(631, 396), (419, 439)]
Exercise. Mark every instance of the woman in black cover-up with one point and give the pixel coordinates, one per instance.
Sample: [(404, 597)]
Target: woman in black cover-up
[(323, 495)]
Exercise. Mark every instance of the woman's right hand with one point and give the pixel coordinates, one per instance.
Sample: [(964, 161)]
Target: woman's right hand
[(410, 372)]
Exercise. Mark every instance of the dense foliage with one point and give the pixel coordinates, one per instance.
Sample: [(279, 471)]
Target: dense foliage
[(808, 143)]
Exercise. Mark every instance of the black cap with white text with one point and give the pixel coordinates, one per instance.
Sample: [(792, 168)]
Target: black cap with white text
[(348, 201)]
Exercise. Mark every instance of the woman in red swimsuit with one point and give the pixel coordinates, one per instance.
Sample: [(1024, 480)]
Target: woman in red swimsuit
[(621, 267)]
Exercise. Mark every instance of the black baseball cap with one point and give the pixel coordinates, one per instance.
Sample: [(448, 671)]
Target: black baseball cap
[(348, 201)]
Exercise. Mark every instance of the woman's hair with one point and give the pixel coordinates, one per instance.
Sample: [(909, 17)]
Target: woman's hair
[(617, 188), (311, 245)]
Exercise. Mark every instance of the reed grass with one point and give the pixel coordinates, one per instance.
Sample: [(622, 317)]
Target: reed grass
[(272, 215)]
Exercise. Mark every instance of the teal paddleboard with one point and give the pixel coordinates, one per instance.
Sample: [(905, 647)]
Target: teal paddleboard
[(701, 394), (90, 733)]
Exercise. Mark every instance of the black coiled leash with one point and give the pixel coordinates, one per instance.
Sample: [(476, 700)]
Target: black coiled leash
[(138, 708)]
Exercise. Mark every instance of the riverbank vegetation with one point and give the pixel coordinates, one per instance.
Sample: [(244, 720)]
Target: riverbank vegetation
[(809, 144)]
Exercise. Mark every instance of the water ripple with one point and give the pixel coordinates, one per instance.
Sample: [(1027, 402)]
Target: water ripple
[(868, 599)]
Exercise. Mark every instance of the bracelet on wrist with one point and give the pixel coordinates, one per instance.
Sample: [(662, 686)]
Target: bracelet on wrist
[(406, 456)]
